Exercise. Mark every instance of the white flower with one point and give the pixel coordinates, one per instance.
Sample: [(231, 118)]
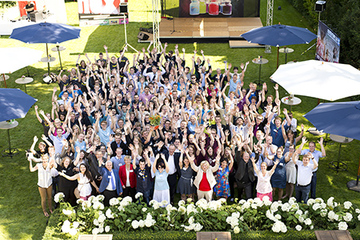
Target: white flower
[(301, 219), (114, 201), (141, 223), (298, 227), (95, 231), (92, 199), (102, 218), (66, 226), (109, 214), (121, 208), (359, 217), (67, 212), (149, 222), (274, 206), (96, 222), (285, 207), (357, 210), (316, 206), (343, 226), (347, 205), (310, 202), (107, 228), (79, 201), (75, 224), (299, 212), (348, 217), (182, 210), (181, 203), (330, 202), (164, 202), (100, 197), (331, 215), (59, 196), (128, 220), (311, 227), (323, 213), (308, 221), (242, 201), (139, 194), (73, 231), (277, 216), (98, 205), (276, 227), (197, 227), (191, 220), (135, 224), (144, 209), (236, 230)]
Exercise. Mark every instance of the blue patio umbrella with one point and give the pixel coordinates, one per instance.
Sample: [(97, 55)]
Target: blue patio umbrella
[(14, 103), (339, 118), (279, 35), (45, 32)]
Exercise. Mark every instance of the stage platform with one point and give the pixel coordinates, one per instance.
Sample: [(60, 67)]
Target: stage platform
[(206, 29)]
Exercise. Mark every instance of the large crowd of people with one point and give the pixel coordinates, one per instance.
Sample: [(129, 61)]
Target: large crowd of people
[(215, 134)]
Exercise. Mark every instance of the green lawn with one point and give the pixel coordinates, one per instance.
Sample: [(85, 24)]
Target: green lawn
[(20, 211)]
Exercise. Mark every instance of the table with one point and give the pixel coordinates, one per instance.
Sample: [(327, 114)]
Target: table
[(286, 51), (291, 101), (58, 49), (47, 59), (4, 76), (260, 61), (24, 80), (10, 152), (337, 164)]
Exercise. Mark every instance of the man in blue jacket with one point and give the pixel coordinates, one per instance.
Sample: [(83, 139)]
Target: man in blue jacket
[(110, 185)]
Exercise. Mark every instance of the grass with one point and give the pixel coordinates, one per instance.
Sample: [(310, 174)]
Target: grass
[(20, 211)]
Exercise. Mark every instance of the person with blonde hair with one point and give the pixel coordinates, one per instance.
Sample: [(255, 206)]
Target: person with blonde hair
[(205, 180)]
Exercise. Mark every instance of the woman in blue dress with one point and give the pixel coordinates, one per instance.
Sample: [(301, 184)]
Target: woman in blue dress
[(222, 187), (162, 189), (278, 179)]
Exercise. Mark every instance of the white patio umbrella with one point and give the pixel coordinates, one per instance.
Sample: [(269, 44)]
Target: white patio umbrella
[(13, 59), (325, 80)]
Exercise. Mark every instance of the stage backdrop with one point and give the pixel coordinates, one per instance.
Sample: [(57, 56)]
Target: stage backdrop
[(328, 44), (217, 8)]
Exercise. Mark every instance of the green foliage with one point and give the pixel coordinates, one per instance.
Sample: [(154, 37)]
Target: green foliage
[(7, 4)]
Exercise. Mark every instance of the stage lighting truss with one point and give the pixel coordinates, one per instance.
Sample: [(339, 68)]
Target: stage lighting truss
[(269, 20), (155, 22)]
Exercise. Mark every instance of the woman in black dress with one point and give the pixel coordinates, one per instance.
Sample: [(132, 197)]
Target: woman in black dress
[(185, 185), (66, 186)]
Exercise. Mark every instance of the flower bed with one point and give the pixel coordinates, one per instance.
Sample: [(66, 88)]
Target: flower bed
[(253, 215)]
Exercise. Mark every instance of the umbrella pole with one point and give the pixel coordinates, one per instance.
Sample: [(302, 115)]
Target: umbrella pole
[(48, 59), (4, 80), (358, 174), (277, 64)]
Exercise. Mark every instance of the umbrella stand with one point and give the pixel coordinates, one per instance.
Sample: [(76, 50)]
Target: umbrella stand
[(48, 59), (354, 185), (4, 80), (277, 64)]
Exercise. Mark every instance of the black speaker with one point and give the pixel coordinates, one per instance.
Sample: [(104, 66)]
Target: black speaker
[(143, 36), (123, 8), (320, 6)]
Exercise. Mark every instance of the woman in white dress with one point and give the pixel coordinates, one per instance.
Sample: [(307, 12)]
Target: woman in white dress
[(84, 179), (44, 181), (290, 172), (263, 186)]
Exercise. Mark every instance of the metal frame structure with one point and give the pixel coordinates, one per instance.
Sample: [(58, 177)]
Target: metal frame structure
[(156, 21), (269, 20), (125, 35)]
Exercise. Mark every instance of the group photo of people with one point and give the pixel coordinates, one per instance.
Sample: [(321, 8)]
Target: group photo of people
[(170, 129)]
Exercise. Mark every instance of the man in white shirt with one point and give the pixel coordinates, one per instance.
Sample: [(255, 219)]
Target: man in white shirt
[(305, 172), (316, 155), (172, 159)]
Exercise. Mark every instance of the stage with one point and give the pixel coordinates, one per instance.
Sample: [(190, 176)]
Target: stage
[(207, 29)]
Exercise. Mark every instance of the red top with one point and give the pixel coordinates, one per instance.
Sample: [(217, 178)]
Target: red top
[(132, 176), (204, 184)]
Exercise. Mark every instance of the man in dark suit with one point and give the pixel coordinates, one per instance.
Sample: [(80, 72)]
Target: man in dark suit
[(121, 141), (172, 159), (110, 185), (245, 174)]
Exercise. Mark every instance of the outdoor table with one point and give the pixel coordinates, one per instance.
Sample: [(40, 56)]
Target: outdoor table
[(291, 101), (4, 76), (24, 80), (58, 49), (286, 51), (10, 152), (337, 164), (47, 59), (260, 61)]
